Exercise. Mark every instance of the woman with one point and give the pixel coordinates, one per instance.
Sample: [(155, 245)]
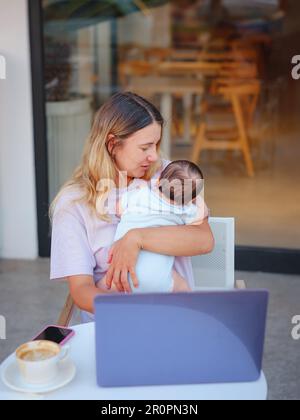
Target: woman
[(122, 150)]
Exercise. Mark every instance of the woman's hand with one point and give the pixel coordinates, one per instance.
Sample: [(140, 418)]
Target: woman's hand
[(122, 258), (101, 285)]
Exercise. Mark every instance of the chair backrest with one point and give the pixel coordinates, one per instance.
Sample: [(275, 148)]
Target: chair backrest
[(216, 270)]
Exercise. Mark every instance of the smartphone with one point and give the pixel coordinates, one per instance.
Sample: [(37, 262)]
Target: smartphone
[(59, 335)]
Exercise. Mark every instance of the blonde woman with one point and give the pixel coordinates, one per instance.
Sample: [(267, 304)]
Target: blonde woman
[(123, 149)]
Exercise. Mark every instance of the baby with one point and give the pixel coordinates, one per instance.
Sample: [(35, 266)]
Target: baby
[(174, 199)]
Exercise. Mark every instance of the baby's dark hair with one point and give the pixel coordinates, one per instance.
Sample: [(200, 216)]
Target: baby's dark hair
[(181, 181)]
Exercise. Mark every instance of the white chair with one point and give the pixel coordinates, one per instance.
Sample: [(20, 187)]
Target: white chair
[(211, 271), (216, 270)]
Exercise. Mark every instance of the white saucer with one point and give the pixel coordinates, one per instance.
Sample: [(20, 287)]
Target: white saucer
[(12, 379)]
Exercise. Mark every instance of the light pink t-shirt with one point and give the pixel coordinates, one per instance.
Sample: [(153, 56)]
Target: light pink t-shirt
[(81, 241)]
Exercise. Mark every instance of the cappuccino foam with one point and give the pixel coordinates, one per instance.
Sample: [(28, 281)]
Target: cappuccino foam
[(37, 355)]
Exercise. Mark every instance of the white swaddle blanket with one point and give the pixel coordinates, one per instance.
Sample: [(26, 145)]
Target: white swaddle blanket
[(141, 208)]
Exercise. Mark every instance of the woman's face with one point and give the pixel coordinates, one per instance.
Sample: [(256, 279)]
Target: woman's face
[(139, 151)]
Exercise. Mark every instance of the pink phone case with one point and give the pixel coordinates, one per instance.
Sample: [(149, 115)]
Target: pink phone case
[(72, 333)]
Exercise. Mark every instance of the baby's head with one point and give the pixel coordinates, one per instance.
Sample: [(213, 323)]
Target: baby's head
[(181, 182)]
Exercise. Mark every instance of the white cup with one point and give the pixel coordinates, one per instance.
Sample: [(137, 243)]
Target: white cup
[(38, 361)]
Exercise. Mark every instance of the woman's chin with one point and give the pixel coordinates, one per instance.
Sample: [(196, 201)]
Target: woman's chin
[(138, 173)]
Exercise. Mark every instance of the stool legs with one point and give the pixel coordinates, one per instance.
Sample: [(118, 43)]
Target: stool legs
[(198, 142), (243, 138)]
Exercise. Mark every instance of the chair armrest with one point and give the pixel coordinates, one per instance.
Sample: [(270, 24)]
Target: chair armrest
[(67, 312)]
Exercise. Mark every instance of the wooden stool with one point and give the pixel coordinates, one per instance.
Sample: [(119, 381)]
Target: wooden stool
[(134, 68), (243, 100)]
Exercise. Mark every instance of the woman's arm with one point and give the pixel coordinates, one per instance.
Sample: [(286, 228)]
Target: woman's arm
[(186, 241), (169, 240), (84, 291)]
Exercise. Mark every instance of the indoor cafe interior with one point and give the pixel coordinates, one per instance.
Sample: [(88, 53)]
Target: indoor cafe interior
[(221, 74)]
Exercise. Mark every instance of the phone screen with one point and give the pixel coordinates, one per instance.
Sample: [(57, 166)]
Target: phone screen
[(56, 334)]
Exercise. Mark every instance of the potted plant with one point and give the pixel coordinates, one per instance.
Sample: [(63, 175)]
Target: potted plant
[(68, 112)]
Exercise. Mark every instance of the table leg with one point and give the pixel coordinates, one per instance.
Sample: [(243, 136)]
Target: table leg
[(187, 109), (166, 110)]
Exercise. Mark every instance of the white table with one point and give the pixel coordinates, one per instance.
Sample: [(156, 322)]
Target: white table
[(84, 387)]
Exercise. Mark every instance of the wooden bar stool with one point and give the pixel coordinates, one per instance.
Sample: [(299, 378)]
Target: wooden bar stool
[(242, 99), (134, 68)]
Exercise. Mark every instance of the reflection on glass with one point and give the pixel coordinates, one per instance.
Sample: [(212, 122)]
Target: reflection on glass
[(220, 71)]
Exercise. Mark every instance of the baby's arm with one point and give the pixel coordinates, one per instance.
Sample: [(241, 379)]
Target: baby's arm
[(197, 213)]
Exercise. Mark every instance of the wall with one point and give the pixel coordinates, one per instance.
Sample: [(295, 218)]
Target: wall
[(18, 221)]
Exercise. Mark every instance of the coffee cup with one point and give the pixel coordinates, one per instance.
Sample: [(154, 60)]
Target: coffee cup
[(38, 361)]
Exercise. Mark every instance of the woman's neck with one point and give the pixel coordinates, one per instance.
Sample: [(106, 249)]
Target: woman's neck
[(123, 182)]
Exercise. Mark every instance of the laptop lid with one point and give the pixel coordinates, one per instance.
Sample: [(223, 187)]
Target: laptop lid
[(180, 338)]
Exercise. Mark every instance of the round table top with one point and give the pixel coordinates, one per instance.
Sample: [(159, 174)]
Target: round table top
[(84, 385)]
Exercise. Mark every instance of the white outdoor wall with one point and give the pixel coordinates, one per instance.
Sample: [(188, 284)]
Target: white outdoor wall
[(18, 220)]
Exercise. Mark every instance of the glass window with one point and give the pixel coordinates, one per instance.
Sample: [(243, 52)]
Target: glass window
[(223, 73)]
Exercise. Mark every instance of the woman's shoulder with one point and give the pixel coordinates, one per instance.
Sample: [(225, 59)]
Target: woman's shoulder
[(68, 200)]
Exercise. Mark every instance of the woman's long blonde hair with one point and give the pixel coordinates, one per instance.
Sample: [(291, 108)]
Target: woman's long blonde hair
[(122, 115)]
